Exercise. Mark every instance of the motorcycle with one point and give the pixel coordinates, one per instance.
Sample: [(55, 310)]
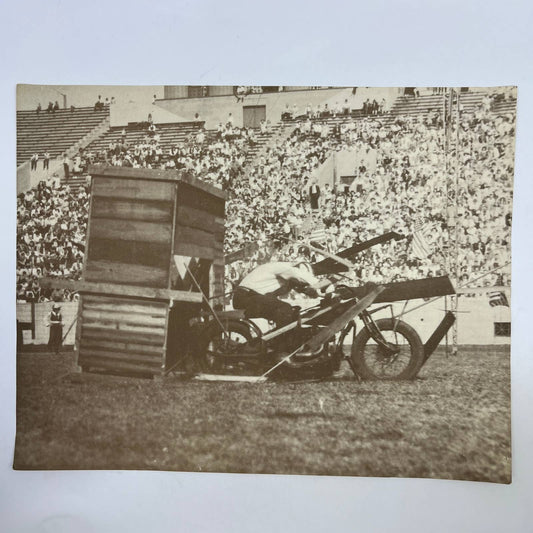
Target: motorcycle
[(314, 344)]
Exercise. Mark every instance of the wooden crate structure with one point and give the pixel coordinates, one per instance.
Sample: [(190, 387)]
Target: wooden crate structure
[(153, 236)]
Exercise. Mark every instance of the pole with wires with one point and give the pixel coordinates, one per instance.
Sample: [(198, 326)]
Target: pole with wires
[(450, 162), (455, 297)]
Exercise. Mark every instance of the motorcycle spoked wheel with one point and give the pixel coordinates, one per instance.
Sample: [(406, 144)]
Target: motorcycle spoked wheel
[(372, 361), (217, 343)]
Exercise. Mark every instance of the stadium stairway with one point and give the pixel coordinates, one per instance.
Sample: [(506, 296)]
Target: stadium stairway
[(75, 183), (411, 105), (263, 141)]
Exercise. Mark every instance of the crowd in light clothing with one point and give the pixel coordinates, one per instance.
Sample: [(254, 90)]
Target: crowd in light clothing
[(51, 229), (399, 183), (404, 189)]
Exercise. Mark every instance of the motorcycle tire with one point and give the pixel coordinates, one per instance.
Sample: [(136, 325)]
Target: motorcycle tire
[(374, 362), (216, 342)]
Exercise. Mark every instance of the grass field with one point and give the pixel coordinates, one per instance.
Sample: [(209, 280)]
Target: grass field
[(452, 422)]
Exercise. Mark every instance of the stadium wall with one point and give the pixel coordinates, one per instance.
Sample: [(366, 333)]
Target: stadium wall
[(476, 320), (216, 109), (27, 179), (69, 312)]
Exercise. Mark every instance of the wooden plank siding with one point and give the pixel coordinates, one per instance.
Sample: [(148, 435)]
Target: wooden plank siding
[(133, 209), (122, 334), (187, 235), (106, 289), (195, 250), (130, 319), (131, 252), (198, 199), (126, 273), (196, 218), (130, 230), (133, 189), (180, 176)]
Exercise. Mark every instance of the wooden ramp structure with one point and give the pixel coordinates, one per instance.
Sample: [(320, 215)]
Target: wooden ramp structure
[(135, 303)]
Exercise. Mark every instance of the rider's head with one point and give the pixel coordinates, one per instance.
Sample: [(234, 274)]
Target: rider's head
[(304, 266)]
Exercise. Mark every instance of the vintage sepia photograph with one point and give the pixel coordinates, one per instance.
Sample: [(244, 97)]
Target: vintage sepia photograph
[(265, 279)]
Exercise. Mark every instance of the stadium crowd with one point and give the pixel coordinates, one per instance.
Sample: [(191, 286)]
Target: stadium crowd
[(215, 157), (399, 184), (52, 223)]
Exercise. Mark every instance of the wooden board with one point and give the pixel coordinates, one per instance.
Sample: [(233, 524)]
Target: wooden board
[(135, 189), (190, 196), (123, 305), (111, 289), (130, 230), (130, 357), (114, 272), (91, 315), (106, 334), (122, 347), (195, 250), (185, 234), (87, 361), (413, 289), (133, 209), (196, 218), (330, 266), (155, 175), (132, 252)]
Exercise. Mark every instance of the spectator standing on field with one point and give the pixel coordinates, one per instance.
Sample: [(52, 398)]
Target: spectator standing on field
[(55, 323), (46, 160)]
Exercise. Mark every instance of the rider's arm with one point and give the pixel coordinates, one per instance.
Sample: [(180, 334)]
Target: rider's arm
[(305, 281)]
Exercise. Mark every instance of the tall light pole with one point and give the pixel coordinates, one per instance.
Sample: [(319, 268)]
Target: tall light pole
[(64, 98)]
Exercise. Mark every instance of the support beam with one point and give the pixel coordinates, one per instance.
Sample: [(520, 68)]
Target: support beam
[(112, 289)]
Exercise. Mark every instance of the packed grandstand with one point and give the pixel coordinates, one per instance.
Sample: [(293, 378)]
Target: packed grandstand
[(267, 172)]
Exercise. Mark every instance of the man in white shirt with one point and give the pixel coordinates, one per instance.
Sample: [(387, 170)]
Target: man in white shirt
[(34, 159), (258, 293)]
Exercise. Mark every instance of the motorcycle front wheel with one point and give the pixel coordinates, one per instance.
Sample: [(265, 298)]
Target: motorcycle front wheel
[(399, 358)]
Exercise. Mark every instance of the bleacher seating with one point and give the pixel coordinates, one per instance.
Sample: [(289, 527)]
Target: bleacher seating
[(470, 101), (170, 135), (267, 177), (54, 132)]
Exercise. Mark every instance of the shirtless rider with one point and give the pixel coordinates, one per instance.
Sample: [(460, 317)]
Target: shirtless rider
[(259, 291)]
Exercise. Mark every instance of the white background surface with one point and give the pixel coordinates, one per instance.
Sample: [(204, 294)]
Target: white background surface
[(378, 43)]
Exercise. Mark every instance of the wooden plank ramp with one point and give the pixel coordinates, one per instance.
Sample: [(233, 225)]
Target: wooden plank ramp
[(237, 379)]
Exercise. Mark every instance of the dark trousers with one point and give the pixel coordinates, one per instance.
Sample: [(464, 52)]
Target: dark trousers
[(263, 306), (56, 336), (67, 173), (46, 162)]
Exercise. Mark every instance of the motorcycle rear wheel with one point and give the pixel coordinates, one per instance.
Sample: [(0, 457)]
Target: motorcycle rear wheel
[(371, 361)]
